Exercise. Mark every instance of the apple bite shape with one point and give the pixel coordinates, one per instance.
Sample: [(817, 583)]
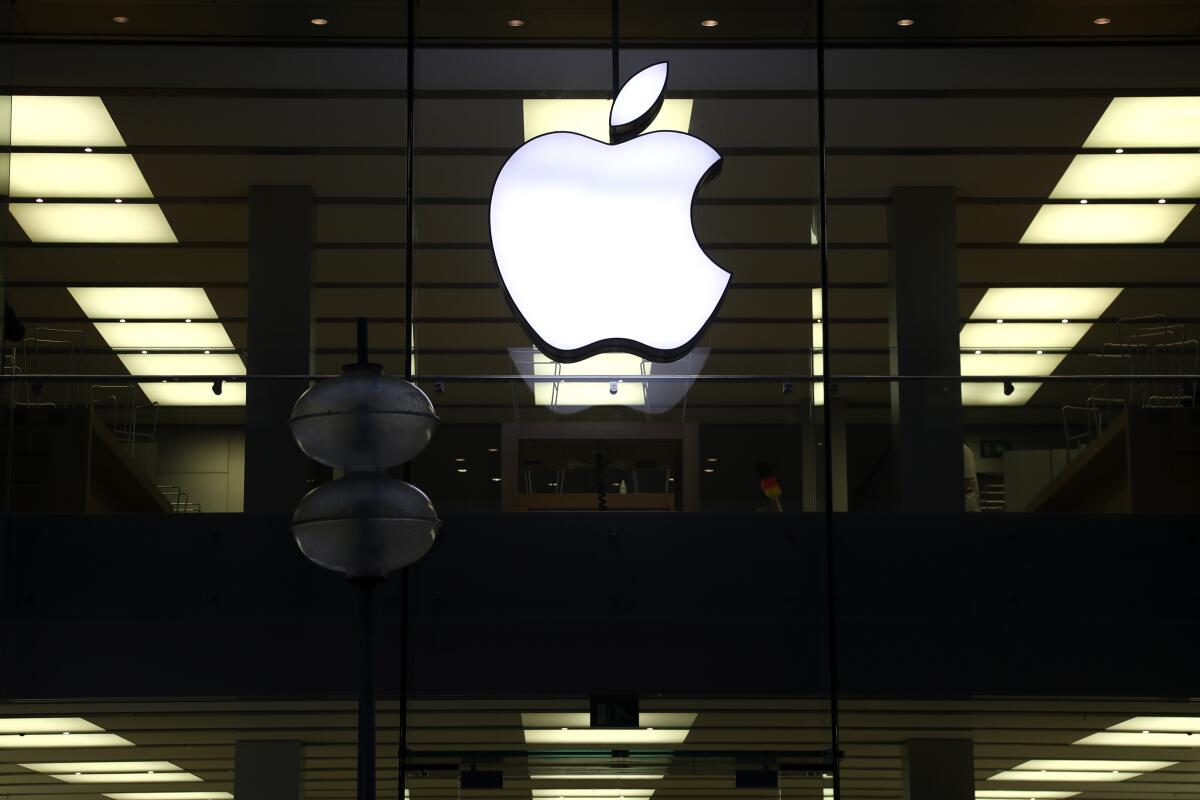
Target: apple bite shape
[(594, 242)]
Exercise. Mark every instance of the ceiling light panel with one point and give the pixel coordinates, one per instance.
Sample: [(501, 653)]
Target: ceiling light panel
[(44, 121), (596, 776), (1021, 335), (1015, 303), (54, 740), (1131, 739), (1159, 724), (76, 175), (1139, 175), (1148, 122), (103, 766), (127, 777), (1107, 223), (48, 725), (1095, 765), (590, 117), (169, 796), (149, 302), (164, 335), (134, 223), (1023, 794), (992, 394), (1051, 775), (173, 393), (632, 736), (617, 793)]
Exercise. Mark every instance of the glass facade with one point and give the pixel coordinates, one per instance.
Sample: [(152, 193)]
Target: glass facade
[(961, 246)]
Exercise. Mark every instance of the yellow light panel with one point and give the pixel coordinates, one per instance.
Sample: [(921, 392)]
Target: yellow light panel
[(188, 394), (615, 793), (164, 335), (1014, 364), (169, 796), (596, 776), (1022, 794), (49, 740), (149, 302), (623, 367), (818, 343), (606, 736), (1095, 765), (1140, 175), (76, 175), (1131, 739), (48, 725), (127, 777), (1021, 335), (45, 121), (1108, 223), (137, 223), (1148, 122), (194, 394), (1160, 724), (581, 719), (102, 766), (1009, 303), (1063, 775), (590, 117)]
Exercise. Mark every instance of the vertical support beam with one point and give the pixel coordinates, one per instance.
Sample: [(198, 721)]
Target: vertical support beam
[(938, 769), (812, 453), (267, 770), (926, 414), (279, 333)]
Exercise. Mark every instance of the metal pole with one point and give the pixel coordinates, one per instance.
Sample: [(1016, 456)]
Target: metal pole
[(616, 47), (827, 424), (404, 623), (366, 688)]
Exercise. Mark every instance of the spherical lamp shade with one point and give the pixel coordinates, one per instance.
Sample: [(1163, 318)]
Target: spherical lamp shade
[(365, 526), (363, 421)]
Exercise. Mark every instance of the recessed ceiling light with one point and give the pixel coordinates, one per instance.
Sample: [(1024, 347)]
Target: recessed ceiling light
[(462, 469), (39, 200), (493, 449), (1161, 200), (87, 149), (905, 22), (709, 469), (120, 20), (709, 23), (1083, 202), (1119, 150), (1101, 20), (495, 480), (318, 21), (515, 23)]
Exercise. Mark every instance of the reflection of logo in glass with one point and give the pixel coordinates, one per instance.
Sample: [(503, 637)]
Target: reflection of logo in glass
[(594, 242)]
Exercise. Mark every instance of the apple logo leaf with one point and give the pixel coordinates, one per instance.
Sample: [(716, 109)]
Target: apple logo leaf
[(638, 103)]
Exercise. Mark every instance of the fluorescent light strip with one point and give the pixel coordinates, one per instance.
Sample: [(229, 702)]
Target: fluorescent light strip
[(1004, 308), (1128, 122), (1120, 739), (204, 332), (596, 776), (1030, 794), (615, 793), (818, 344), (582, 719), (607, 736), (169, 796), (1159, 724), (1063, 775), (102, 766), (62, 121), (143, 302), (54, 740), (84, 122), (1094, 765), (127, 777), (1108, 223), (100, 223), (590, 117), (48, 725), (1132, 175), (76, 175), (1148, 122)]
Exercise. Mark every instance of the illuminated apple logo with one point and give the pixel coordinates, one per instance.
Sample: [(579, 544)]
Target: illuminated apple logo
[(594, 241)]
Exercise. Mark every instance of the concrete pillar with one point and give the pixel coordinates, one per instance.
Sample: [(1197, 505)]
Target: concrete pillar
[(279, 334), (926, 415), (267, 770), (938, 769)]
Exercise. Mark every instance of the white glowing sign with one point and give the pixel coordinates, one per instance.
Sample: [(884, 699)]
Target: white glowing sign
[(594, 242)]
